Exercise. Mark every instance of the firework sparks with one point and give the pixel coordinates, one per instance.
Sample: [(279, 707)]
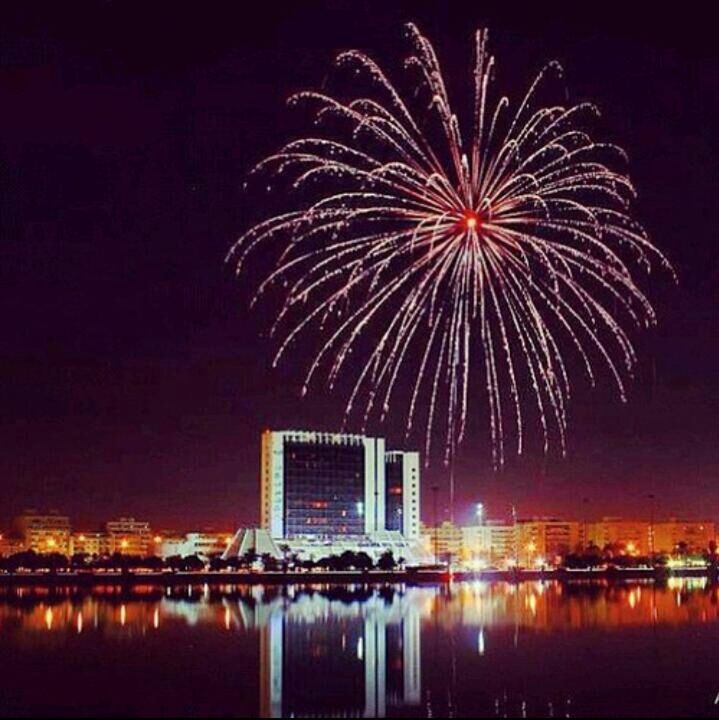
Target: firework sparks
[(433, 254)]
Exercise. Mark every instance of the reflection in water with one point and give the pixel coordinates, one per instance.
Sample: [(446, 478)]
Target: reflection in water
[(333, 657), (533, 649)]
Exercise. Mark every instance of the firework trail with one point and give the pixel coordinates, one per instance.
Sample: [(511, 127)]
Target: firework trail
[(427, 252)]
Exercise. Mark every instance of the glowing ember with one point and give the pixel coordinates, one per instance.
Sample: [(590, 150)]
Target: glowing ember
[(471, 220)]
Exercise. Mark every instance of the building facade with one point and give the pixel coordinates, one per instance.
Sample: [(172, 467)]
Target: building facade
[(546, 541), (326, 485), (402, 493), (128, 536), (684, 536), (491, 544), (94, 544), (444, 542), (44, 533)]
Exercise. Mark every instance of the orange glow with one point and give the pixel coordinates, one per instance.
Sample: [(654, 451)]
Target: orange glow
[(158, 539), (471, 220), (124, 544)]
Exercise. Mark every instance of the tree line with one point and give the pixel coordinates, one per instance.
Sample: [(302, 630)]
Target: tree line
[(57, 562)]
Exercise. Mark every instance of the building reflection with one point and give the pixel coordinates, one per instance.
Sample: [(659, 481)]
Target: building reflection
[(340, 654), (361, 651)]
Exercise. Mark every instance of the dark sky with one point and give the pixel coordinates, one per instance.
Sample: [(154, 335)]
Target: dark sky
[(134, 378)]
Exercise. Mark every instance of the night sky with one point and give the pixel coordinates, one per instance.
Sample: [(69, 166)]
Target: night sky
[(134, 377)]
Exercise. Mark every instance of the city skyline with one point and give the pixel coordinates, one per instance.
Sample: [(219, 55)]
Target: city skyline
[(125, 191)]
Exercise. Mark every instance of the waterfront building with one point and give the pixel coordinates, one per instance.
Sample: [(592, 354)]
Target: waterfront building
[(682, 536), (171, 545), (206, 545), (491, 544), (129, 537), (444, 541), (546, 541), (324, 490), (94, 544), (629, 536), (402, 493), (43, 533), (10, 545)]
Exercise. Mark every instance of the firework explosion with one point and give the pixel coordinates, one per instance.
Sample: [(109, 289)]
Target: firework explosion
[(420, 250)]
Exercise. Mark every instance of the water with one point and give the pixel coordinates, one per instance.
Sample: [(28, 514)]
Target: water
[(472, 649)]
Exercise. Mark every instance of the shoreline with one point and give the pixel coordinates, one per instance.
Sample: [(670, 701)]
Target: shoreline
[(412, 577)]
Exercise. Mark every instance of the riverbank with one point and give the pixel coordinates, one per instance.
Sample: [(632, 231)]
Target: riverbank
[(412, 576)]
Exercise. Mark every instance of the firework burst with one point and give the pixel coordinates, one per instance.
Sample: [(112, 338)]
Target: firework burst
[(442, 259)]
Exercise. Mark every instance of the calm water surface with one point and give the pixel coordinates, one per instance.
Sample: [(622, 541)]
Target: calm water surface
[(471, 649)]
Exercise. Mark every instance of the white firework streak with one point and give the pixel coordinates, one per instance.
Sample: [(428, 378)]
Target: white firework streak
[(512, 246)]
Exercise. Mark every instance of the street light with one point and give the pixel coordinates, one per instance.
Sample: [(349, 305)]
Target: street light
[(480, 513)]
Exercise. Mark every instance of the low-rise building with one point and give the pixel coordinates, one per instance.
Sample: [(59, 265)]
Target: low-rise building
[(206, 544), (128, 536), (546, 541), (43, 532), (628, 536), (443, 542), (683, 536), (10, 545), (93, 544), (491, 544)]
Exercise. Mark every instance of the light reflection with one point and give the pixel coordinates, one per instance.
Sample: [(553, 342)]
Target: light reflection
[(375, 633)]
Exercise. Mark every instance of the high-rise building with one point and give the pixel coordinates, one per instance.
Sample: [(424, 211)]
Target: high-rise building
[(402, 493), (44, 533), (326, 485)]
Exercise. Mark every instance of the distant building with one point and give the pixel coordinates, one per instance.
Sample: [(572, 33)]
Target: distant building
[(206, 544), (94, 544), (491, 544), (43, 533), (630, 536), (172, 546), (691, 537), (443, 542), (640, 537), (546, 541), (128, 536), (10, 545)]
